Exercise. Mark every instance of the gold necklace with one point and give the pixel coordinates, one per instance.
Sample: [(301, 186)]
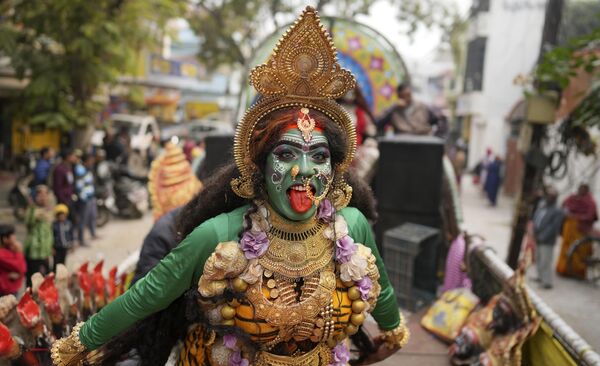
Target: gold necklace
[(296, 249)]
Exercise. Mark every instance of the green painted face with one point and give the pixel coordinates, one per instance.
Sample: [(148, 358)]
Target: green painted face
[(286, 195)]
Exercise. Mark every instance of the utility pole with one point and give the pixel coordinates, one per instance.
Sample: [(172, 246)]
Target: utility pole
[(534, 158)]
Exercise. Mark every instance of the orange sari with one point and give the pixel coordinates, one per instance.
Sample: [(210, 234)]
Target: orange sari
[(570, 234)]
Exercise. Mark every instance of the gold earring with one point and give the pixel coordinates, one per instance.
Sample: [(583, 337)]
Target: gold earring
[(295, 171)]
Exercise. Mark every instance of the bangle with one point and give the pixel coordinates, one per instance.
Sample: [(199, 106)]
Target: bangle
[(397, 337), (69, 351)]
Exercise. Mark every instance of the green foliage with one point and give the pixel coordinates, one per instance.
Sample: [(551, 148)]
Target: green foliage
[(229, 30), (69, 49), (579, 18), (564, 62), (433, 14), (587, 113)]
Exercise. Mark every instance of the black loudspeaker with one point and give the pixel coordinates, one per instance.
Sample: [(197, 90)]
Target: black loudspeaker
[(409, 175), (219, 152), (408, 184)]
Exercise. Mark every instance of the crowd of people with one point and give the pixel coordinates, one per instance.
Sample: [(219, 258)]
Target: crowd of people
[(61, 204), (62, 210)]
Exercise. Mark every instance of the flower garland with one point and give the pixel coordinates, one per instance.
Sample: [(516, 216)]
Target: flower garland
[(352, 262)]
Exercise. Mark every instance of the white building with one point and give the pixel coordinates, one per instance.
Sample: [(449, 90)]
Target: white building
[(504, 38)]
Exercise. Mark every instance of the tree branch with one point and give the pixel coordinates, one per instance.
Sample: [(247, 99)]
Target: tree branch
[(217, 16)]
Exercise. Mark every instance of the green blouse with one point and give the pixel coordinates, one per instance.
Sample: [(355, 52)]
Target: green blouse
[(181, 269)]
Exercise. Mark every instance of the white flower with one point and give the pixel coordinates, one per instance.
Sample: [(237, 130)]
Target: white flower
[(259, 220), (368, 255), (355, 269), (253, 272), (341, 229)]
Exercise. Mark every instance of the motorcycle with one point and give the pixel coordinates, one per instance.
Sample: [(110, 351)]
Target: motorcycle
[(126, 196), (19, 198)]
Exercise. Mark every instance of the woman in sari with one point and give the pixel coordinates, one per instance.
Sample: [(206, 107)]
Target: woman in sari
[(581, 214)]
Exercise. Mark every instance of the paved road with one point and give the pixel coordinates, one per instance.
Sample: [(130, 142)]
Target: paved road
[(578, 303)]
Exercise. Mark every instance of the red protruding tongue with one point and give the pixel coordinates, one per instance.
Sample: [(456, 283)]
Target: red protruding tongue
[(299, 201)]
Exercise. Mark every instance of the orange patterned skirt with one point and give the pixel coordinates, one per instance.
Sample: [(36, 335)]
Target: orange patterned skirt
[(571, 234)]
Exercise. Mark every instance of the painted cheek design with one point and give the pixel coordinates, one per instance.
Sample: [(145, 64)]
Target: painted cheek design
[(278, 170)]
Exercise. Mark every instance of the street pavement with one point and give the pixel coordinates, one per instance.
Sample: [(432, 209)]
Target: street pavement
[(578, 303)]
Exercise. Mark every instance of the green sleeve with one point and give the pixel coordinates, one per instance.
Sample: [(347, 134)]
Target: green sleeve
[(386, 312), (162, 285)]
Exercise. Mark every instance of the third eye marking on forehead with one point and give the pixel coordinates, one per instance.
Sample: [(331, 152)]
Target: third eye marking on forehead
[(319, 139)]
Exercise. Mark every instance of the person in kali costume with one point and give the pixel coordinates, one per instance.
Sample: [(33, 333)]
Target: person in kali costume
[(280, 268)]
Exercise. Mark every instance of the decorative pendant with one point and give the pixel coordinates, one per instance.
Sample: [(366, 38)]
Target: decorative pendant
[(305, 124)]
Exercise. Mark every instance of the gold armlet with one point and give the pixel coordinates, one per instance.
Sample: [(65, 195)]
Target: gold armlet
[(69, 351), (397, 337)]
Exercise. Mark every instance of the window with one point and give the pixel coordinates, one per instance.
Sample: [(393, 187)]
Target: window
[(480, 6), (474, 68)]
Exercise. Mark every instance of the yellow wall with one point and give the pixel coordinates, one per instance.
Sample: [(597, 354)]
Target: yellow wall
[(195, 110), (25, 138)]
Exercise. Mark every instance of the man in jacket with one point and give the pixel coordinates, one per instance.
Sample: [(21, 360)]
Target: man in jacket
[(159, 242), (547, 223), (63, 182)]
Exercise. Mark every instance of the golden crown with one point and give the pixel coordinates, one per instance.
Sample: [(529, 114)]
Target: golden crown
[(302, 72), (303, 64)]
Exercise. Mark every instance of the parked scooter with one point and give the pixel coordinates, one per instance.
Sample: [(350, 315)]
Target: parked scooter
[(125, 195)]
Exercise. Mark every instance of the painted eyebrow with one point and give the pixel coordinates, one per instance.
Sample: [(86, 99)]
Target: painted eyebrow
[(299, 146)]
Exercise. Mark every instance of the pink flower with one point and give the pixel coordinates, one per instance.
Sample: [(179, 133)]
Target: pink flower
[(254, 244), (364, 286), (341, 355), (344, 249), (236, 359), (325, 211), (229, 341)]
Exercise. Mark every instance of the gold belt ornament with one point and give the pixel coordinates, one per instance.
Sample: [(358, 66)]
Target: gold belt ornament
[(318, 356)]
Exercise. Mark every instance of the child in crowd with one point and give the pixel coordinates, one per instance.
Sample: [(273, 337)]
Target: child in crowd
[(12, 262), (63, 234), (39, 241)]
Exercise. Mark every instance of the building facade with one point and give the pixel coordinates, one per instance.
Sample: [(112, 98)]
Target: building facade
[(503, 42)]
